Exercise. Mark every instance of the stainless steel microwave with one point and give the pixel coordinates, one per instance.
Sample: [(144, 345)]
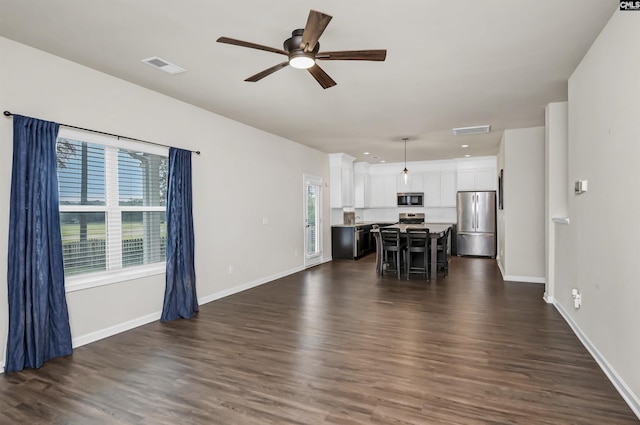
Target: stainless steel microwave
[(411, 199)]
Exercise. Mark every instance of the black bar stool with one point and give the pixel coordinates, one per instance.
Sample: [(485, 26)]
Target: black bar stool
[(443, 255), (392, 248), (418, 243)]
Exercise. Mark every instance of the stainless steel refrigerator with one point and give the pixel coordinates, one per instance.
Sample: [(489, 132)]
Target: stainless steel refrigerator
[(476, 229)]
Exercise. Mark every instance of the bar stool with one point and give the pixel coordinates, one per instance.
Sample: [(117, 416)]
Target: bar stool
[(392, 248), (418, 243), (443, 254)]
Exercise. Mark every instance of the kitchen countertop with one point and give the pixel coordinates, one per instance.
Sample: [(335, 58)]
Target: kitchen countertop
[(388, 223), (365, 223)]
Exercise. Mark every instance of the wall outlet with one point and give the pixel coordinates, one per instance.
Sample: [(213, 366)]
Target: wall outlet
[(230, 269), (577, 298), (265, 220), (295, 253)]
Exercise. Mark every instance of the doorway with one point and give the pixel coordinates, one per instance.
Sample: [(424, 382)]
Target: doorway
[(312, 221)]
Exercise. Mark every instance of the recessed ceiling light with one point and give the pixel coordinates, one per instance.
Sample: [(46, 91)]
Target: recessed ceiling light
[(366, 153), (467, 156), (465, 146), (164, 65), (472, 130), (383, 161)]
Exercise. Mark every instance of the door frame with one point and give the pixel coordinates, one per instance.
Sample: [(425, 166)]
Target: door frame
[(315, 258)]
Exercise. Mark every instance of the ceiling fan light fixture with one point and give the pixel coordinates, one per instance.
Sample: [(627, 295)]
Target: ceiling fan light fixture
[(301, 60)]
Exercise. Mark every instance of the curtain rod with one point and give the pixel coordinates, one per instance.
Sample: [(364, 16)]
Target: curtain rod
[(9, 114)]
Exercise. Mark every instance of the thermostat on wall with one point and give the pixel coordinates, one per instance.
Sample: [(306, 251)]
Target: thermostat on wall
[(580, 187)]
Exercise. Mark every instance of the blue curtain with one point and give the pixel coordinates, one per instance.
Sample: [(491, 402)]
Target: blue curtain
[(38, 316), (180, 299)]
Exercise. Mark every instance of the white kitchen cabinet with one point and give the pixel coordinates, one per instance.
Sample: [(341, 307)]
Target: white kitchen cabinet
[(448, 189), (466, 180), (440, 189), (383, 191), (415, 182), (432, 189), (477, 179), (347, 187), (341, 180), (486, 179), (361, 185)]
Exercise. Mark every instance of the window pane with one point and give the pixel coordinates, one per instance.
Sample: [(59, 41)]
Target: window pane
[(142, 178), (143, 238), (83, 242), (80, 172)]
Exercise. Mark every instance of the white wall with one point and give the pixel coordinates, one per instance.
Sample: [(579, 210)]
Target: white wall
[(521, 223), (243, 175), (599, 251), (501, 255), (556, 184)]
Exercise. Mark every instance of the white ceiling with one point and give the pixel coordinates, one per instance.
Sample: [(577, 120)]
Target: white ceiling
[(449, 63)]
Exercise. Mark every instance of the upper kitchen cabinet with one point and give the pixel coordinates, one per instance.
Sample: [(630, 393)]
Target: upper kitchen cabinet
[(361, 185), (440, 188), (383, 191), (341, 180), (477, 174), (413, 183), (448, 189)]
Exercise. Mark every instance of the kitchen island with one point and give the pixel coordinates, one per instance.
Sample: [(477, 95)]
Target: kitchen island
[(352, 241), (436, 231)]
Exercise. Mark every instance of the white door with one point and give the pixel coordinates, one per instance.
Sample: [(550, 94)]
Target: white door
[(312, 221)]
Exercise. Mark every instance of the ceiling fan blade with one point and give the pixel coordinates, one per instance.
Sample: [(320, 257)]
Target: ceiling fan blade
[(260, 75), (321, 77), (354, 55), (241, 43), (316, 23)]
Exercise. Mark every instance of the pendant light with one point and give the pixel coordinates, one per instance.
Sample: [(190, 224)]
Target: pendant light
[(405, 171)]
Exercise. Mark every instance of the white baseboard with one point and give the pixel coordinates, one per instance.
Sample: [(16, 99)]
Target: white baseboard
[(528, 279), (548, 298), (131, 324), (499, 261), (629, 397), (122, 327), (248, 285), (113, 330)]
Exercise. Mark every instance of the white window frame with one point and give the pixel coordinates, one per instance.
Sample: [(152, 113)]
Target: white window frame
[(112, 211)]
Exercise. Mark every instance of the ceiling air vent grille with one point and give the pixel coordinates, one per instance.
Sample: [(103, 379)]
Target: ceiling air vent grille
[(164, 65), (471, 130)]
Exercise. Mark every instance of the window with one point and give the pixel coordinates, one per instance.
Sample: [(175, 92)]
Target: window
[(112, 207)]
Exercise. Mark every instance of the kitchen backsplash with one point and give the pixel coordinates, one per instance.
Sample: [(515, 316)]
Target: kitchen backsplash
[(433, 215)]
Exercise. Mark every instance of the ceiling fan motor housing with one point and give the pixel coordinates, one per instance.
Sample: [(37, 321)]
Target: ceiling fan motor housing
[(292, 44)]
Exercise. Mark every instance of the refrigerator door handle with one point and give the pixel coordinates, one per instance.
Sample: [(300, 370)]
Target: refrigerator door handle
[(473, 212)]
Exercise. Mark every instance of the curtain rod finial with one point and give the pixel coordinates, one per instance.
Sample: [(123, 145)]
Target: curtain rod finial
[(7, 114)]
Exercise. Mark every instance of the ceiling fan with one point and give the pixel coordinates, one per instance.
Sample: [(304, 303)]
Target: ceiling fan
[(303, 50)]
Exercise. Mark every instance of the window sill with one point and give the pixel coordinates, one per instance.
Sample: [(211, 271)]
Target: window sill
[(92, 280)]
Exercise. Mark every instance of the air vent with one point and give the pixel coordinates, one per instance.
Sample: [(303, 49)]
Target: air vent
[(471, 130), (163, 65)]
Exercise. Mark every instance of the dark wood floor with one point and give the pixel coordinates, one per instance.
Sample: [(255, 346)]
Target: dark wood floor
[(335, 345)]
